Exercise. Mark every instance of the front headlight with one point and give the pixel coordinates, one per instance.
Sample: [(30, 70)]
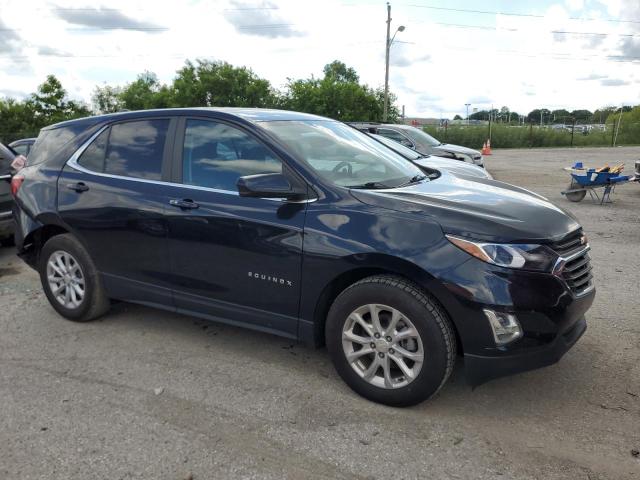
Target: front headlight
[(533, 257)]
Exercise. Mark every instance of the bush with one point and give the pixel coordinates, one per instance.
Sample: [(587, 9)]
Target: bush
[(529, 136)]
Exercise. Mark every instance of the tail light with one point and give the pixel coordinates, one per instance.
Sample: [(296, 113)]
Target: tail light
[(16, 183)]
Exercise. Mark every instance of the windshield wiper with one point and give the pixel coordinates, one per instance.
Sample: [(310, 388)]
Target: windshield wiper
[(414, 179), (369, 185)]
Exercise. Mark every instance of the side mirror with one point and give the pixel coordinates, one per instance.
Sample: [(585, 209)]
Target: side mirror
[(268, 185)]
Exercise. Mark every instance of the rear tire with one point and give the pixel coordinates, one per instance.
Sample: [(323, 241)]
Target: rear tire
[(388, 319), (70, 280)]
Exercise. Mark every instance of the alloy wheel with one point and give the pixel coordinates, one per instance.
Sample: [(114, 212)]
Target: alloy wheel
[(383, 346), (66, 279)]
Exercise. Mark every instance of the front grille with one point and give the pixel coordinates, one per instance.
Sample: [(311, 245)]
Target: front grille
[(577, 270), (569, 244)]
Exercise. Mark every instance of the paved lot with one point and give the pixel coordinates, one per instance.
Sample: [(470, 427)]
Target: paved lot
[(80, 401)]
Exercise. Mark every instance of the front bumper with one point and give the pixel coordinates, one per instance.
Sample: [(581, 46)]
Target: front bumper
[(551, 316), (479, 369)]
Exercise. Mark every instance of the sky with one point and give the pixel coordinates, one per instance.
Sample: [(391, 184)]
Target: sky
[(522, 54)]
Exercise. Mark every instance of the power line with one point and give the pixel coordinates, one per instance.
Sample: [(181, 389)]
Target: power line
[(506, 29), (515, 14)]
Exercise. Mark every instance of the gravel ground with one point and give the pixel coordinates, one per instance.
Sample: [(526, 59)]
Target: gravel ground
[(147, 394)]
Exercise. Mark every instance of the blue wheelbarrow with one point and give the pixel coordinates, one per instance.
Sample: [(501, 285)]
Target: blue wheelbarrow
[(589, 180)]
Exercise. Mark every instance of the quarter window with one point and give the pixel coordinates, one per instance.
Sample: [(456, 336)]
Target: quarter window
[(215, 155), (93, 157)]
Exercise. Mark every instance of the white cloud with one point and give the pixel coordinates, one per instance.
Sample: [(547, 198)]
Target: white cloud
[(439, 70)]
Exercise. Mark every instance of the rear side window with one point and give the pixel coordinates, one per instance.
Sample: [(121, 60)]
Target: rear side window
[(51, 141), (215, 155), (131, 149), (135, 149)]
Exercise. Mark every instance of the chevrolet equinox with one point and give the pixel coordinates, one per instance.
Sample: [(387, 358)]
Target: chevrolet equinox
[(304, 227)]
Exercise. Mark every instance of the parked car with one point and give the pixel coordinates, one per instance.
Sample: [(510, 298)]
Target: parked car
[(6, 200), (23, 146), (420, 141), (426, 162), (301, 226)]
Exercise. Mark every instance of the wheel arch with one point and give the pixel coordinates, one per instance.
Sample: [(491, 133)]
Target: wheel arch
[(370, 265)]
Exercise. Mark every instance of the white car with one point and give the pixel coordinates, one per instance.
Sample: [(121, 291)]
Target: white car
[(455, 167)]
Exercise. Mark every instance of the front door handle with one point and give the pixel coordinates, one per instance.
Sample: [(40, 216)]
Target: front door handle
[(184, 203), (78, 187)]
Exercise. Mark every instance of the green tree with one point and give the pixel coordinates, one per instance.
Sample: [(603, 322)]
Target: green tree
[(107, 99), (338, 95), (145, 92), (220, 84), (50, 104)]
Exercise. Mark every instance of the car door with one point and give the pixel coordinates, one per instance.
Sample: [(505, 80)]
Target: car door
[(111, 194), (233, 258)]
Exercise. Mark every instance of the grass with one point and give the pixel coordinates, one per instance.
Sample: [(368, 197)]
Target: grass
[(506, 136)]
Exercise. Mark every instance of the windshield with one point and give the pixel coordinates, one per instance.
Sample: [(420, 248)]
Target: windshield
[(420, 136), (343, 155), (398, 147)]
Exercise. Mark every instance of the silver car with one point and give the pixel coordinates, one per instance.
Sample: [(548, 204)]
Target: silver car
[(422, 142), (455, 167)]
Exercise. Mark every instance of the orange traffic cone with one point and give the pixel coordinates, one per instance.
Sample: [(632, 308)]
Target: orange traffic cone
[(484, 149)]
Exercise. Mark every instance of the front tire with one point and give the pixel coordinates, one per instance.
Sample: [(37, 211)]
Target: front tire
[(70, 280), (390, 341)]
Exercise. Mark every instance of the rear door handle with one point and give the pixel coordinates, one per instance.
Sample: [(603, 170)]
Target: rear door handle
[(184, 203), (78, 187)]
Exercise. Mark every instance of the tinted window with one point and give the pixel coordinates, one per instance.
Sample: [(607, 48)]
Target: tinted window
[(93, 157), (51, 141), (135, 149), (215, 155)]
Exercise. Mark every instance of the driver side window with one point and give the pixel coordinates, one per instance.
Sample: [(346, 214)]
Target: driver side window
[(215, 155)]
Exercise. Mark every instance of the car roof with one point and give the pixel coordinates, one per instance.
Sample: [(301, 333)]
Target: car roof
[(248, 114)]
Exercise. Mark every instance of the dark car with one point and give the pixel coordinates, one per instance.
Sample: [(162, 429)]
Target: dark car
[(304, 227), (6, 200), (23, 146)]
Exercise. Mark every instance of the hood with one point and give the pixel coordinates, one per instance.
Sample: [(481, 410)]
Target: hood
[(478, 208), (449, 147), (456, 167)]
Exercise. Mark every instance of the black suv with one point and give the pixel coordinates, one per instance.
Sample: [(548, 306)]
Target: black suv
[(307, 228)]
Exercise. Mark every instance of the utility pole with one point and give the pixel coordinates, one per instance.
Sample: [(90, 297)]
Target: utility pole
[(467, 105), (386, 69), (388, 43)]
